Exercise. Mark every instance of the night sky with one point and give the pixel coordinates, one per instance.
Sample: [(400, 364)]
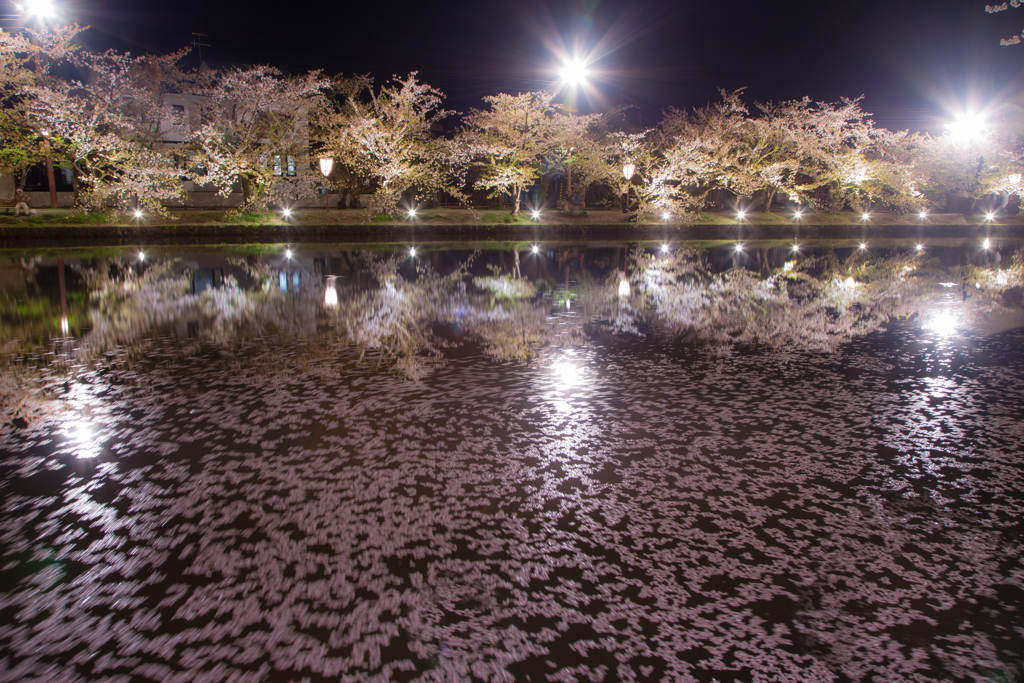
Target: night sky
[(916, 61)]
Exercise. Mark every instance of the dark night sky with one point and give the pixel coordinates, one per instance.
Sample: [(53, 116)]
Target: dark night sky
[(915, 60)]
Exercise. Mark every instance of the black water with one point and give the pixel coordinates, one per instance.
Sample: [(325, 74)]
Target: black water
[(367, 465)]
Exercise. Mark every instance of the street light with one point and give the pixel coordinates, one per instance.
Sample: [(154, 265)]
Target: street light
[(36, 8), (966, 127), (574, 72), (326, 164), (627, 173)]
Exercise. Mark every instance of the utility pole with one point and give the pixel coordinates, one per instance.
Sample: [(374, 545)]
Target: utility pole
[(197, 42)]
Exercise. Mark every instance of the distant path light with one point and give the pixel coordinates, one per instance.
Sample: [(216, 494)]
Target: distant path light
[(665, 216), (865, 216), (536, 215), (798, 215), (863, 246), (923, 215), (412, 213), (287, 253), (741, 214), (142, 256), (664, 249), (990, 216), (138, 213), (412, 251), (739, 248), (920, 247), (796, 247), (535, 249), (287, 213)]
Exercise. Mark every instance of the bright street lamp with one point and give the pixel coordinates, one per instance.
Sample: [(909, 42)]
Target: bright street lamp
[(627, 172), (326, 165), (574, 72), (966, 127), (36, 8)]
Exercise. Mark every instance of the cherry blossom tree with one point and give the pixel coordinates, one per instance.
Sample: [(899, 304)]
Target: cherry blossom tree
[(110, 127), (992, 9), (947, 167), (26, 60), (387, 135), (245, 122), (510, 140)]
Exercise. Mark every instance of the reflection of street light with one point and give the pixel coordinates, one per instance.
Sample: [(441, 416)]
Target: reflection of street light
[(987, 244), (627, 172), (330, 294), (326, 164), (623, 288)]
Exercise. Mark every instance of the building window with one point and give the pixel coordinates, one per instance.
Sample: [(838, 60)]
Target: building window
[(287, 169)]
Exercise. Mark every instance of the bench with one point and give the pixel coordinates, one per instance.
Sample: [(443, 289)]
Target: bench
[(8, 204)]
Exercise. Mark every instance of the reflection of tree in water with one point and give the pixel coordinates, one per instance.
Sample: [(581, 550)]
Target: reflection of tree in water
[(812, 304), (389, 319)]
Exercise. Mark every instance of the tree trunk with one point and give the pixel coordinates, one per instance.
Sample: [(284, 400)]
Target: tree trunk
[(769, 196), (246, 190), (515, 202)]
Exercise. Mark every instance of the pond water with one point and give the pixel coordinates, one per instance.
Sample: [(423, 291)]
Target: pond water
[(580, 462)]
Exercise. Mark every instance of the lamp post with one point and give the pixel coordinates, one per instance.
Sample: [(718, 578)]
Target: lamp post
[(573, 73), (326, 164), (49, 169), (627, 173)]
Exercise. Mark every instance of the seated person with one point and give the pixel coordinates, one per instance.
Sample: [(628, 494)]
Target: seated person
[(21, 202)]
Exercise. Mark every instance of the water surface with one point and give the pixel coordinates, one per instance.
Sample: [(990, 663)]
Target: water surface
[(588, 462)]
